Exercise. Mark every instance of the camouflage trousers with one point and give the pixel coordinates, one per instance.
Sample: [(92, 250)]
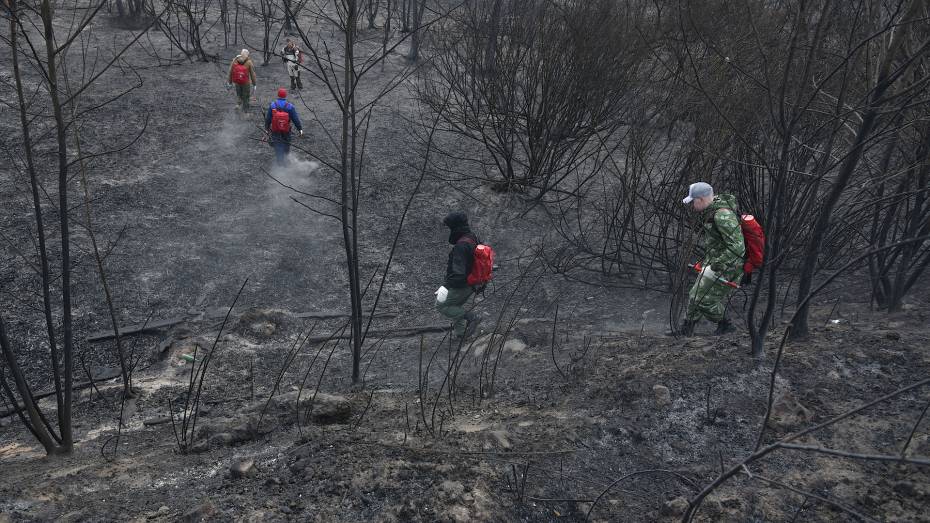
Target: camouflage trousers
[(708, 298)]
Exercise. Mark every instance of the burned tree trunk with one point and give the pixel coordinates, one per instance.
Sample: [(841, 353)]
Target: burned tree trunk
[(885, 79)]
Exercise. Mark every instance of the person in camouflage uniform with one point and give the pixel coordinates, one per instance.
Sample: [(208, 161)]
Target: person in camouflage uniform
[(724, 252)]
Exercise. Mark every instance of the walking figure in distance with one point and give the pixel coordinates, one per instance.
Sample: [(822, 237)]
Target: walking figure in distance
[(242, 75), (293, 57), (468, 271), (278, 121)]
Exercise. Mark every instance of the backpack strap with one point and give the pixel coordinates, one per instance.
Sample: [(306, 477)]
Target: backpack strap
[(467, 239)]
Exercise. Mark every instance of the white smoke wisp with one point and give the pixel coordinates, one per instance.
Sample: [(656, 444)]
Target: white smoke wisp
[(298, 174), (231, 133)]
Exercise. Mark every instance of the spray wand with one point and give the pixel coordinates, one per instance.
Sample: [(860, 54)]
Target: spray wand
[(704, 274)]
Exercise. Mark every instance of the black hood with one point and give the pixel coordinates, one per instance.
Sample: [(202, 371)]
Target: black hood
[(457, 222), (456, 219)]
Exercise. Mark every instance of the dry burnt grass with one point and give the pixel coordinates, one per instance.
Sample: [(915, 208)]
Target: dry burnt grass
[(195, 216), (540, 440)]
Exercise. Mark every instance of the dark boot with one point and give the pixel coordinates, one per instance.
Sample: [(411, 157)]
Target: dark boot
[(686, 329), (300, 85), (471, 326), (724, 326), (293, 83)]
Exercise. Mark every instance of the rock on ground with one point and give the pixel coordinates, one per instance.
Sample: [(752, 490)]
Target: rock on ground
[(788, 413), (675, 507), (243, 469), (202, 512), (453, 489), (663, 395)]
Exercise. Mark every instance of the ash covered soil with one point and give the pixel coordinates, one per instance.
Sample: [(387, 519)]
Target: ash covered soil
[(536, 420), (538, 446)]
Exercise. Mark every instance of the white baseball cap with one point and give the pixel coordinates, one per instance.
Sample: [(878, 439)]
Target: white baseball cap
[(698, 190)]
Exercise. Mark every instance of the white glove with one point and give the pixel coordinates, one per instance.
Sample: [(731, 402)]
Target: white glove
[(707, 272), (301, 132), (441, 294)]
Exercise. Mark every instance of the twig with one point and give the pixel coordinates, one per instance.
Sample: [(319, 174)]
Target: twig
[(808, 494), (914, 429), (555, 323), (672, 473), (801, 306), (198, 374), (362, 417), (854, 455), (697, 500)]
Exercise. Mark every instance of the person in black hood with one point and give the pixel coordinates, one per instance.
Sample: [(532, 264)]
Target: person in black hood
[(451, 303)]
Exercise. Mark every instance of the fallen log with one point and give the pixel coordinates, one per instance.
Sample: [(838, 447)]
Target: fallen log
[(331, 315), (152, 326), (107, 374), (399, 332), (138, 328)]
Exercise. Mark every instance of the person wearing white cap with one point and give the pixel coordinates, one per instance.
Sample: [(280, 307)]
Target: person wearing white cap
[(724, 250), (242, 74), (702, 192)]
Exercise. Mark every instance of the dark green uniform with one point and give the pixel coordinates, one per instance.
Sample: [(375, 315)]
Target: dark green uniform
[(454, 308), (723, 253)]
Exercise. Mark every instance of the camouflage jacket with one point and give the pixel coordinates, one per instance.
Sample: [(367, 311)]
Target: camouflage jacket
[(723, 237)]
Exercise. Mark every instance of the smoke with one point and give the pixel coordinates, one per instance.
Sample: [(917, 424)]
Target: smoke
[(233, 132), (298, 173), (239, 134)]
